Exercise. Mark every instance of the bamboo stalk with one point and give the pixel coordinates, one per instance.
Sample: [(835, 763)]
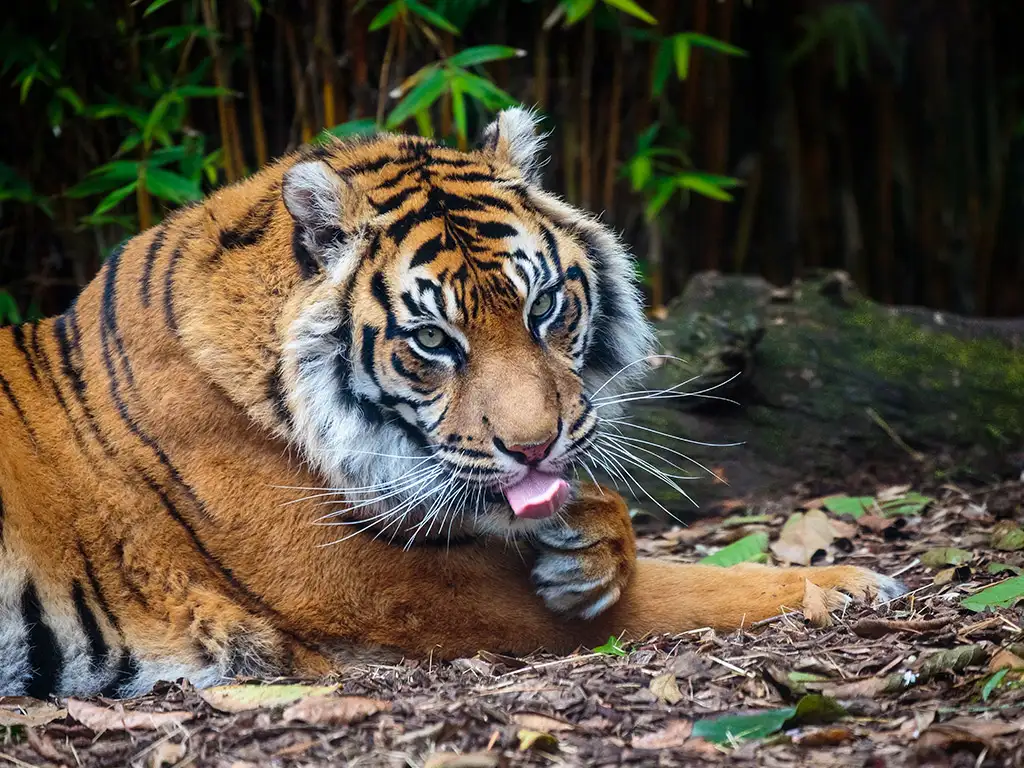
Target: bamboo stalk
[(717, 138), (541, 66), (567, 127), (259, 130), (355, 41), (228, 136), (586, 88), (385, 70), (614, 127), (302, 119)]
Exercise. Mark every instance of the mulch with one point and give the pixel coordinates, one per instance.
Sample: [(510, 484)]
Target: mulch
[(910, 679)]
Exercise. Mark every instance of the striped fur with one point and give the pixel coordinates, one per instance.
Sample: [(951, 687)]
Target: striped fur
[(257, 361)]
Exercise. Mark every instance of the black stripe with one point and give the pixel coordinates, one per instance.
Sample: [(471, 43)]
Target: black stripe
[(275, 393), (6, 389), (127, 668), (393, 203), (427, 252), (147, 266), (18, 332), (97, 645), (172, 322), (97, 590), (74, 375), (252, 227), (495, 230), (108, 317), (308, 265), (370, 166), (400, 368), (44, 654)]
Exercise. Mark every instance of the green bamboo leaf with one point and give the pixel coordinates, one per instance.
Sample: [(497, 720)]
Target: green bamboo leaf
[(704, 187), (665, 189), (731, 728), (115, 197), (9, 312), (168, 185), (431, 16), (419, 98), (156, 5), (681, 53), (385, 16), (748, 549), (1002, 595), (630, 7), (993, 682), (640, 170), (611, 648), (481, 54), (459, 112), (714, 44), (662, 68), (200, 91), (72, 99), (577, 9), (363, 127), (482, 89), (854, 506)]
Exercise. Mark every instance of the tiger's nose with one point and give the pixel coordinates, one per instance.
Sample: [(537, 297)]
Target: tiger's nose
[(528, 453)]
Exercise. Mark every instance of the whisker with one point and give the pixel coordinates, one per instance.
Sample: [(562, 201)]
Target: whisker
[(626, 367), (671, 436)]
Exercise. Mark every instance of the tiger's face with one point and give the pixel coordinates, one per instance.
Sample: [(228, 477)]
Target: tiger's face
[(443, 363)]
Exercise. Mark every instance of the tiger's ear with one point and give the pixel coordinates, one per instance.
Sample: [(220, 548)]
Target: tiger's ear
[(313, 195), (513, 138)]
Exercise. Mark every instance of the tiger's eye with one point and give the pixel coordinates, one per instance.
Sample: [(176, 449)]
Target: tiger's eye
[(543, 304), (431, 337)]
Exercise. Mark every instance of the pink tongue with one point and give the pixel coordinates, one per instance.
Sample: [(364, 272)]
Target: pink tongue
[(537, 495)]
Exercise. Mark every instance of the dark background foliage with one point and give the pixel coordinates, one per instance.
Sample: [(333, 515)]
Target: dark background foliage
[(882, 137)]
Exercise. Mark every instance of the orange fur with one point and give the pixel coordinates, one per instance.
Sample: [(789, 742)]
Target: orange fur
[(146, 477)]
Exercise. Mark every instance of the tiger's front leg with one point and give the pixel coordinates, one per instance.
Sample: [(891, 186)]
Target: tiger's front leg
[(585, 556)]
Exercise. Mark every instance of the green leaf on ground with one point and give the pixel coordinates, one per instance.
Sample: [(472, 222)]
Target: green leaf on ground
[(855, 506), (1007, 536), (1001, 595), (748, 549), (912, 503), (940, 557), (993, 682), (611, 648), (732, 728)]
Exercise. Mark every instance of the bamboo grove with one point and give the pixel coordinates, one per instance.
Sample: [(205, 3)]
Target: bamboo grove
[(881, 137)]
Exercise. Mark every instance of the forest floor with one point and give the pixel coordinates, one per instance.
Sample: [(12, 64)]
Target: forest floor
[(920, 681)]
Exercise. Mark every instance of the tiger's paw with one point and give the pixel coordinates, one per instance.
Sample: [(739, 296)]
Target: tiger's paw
[(586, 555), (827, 589)]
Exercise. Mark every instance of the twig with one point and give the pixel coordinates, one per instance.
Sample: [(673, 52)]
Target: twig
[(876, 417)]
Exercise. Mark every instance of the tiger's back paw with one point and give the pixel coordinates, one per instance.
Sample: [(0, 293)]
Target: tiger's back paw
[(847, 583)]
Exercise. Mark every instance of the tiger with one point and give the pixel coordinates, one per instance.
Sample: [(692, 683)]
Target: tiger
[(331, 414)]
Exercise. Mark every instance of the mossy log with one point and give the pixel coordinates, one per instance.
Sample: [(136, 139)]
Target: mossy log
[(825, 383)]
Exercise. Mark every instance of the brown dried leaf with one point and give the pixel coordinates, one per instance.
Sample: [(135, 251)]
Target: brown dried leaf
[(534, 721), (334, 710), (166, 753), (819, 603), (1005, 659), (26, 711), (468, 760), (99, 718), (877, 523), (875, 628), (665, 688), (829, 736), (673, 735), (242, 698), (804, 535)]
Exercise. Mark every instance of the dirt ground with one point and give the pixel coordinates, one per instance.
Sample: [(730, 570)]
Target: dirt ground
[(917, 682)]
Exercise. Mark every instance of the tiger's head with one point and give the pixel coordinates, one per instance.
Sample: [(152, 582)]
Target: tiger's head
[(441, 364)]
